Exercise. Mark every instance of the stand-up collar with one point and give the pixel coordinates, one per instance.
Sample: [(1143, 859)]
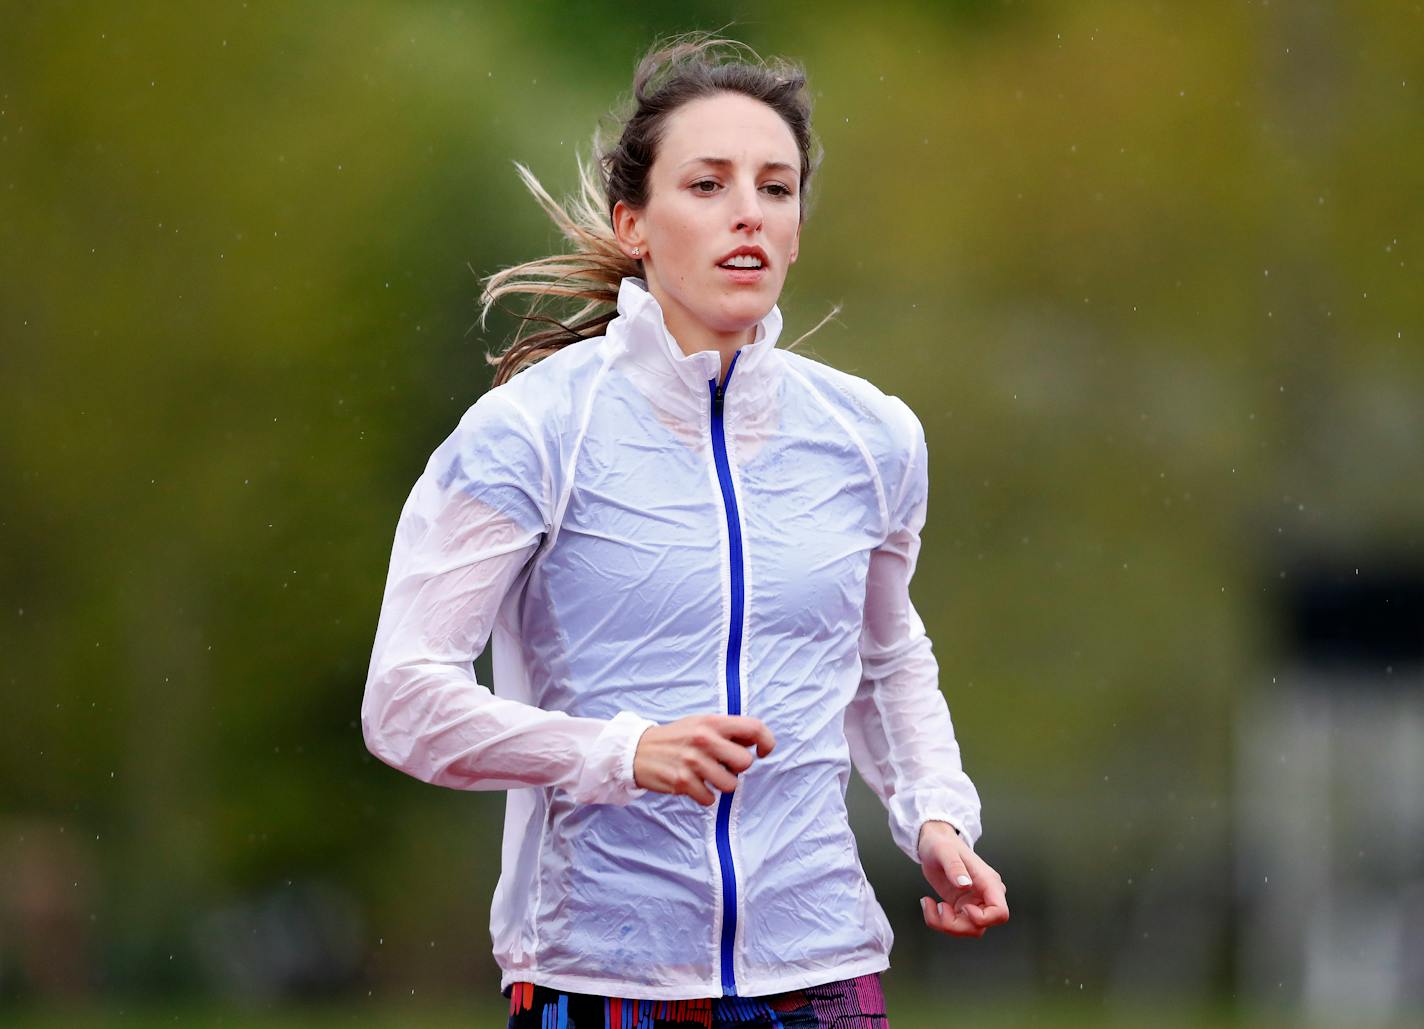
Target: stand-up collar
[(646, 339)]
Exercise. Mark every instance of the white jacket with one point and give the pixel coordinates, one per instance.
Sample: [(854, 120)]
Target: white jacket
[(641, 551)]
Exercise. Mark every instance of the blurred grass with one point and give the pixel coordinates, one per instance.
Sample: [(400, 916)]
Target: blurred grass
[(916, 1013)]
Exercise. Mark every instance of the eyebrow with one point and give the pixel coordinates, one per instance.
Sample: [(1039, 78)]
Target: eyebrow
[(723, 162)]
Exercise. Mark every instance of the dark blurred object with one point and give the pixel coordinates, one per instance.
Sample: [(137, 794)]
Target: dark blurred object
[(44, 930), (1366, 614), (1330, 814), (296, 941)]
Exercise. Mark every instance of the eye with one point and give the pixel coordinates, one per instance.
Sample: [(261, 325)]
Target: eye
[(697, 186), (779, 189)]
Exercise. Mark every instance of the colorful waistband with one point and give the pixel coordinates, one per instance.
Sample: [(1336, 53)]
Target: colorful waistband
[(857, 1003)]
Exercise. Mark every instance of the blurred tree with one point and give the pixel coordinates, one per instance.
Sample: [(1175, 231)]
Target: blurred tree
[(1143, 271)]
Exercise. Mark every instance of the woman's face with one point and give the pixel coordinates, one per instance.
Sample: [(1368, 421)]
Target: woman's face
[(726, 175)]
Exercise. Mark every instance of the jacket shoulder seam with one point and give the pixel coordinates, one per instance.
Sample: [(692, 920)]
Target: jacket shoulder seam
[(536, 439), (566, 487)]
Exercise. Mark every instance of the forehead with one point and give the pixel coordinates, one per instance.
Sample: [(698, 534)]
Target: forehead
[(728, 125)]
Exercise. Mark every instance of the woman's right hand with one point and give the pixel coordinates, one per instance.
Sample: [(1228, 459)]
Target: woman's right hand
[(688, 755)]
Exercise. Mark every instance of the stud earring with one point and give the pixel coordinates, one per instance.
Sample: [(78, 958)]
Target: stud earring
[(637, 251)]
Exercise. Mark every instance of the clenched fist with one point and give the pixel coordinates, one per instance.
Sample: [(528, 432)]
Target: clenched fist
[(693, 753)]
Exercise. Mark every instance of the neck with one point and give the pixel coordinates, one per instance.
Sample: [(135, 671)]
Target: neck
[(693, 337)]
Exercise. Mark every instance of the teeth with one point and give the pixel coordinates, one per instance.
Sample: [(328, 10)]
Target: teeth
[(743, 261)]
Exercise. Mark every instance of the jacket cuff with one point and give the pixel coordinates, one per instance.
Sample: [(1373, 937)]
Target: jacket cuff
[(607, 773), (908, 814)]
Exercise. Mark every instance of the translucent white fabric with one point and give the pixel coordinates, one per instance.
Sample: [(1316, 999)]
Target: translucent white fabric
[(576, 518)]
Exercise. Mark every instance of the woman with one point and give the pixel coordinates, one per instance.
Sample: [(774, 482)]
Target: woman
[(693, 550)]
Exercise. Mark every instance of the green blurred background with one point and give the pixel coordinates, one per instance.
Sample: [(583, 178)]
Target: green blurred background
[(1149, 274)]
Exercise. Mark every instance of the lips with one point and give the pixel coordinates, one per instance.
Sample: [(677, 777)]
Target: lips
[(743, 251)]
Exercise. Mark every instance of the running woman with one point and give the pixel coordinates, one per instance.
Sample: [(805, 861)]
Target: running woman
[(691, 550)]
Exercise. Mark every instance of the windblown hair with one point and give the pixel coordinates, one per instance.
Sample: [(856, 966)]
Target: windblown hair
[(672, 73)]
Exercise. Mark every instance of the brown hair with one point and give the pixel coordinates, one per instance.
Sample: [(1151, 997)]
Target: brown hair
[(672, 73)]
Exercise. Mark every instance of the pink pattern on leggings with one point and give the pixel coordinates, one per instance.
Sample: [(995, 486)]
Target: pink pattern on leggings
[(857, 1003)]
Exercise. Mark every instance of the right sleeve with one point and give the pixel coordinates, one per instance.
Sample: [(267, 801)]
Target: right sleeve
[(898, 725), (469, 526)]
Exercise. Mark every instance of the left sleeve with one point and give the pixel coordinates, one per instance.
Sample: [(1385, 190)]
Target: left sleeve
[(471, 524), (898, 725)]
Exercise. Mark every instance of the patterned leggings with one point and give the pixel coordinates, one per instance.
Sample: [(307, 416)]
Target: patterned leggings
[(857, 1003)]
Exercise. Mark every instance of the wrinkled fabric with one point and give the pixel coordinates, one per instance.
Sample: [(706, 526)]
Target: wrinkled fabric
[(575, 519)]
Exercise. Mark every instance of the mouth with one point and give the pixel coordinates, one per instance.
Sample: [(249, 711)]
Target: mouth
[(744, 265)]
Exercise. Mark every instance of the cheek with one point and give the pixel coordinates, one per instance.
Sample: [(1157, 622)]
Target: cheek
[(684, 246), (785, 244)]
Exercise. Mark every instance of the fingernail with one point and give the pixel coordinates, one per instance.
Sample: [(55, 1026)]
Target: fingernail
[(964, 880)]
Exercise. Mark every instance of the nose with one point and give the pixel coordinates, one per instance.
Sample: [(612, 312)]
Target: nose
[(748, 212)]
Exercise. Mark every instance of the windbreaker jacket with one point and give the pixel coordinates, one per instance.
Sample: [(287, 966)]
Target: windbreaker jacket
[(643, 542)]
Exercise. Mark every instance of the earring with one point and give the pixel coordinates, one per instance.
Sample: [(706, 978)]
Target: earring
[(637, 251)]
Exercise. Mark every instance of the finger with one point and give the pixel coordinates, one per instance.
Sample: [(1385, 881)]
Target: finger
[(748, 731), (945, 919), (766, 742), (975, 913), (995, 908), (983, 912), (690, 783), (713, 773), (959, 874), (730, 755), (985, 915), (951, 878)]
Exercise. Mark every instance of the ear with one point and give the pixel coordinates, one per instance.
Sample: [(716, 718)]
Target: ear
[(795, 243), (628, 228)]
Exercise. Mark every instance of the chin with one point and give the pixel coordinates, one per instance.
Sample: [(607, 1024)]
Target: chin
[(742, 311), (737, 320)]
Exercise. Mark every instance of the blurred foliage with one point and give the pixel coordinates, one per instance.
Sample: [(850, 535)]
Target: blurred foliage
[(1145, 272), (910, 1012)]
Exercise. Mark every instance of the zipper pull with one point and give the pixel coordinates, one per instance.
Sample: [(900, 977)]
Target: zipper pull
[(722, 386)]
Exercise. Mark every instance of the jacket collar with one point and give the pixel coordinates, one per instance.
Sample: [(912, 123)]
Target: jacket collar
[(646, 339)]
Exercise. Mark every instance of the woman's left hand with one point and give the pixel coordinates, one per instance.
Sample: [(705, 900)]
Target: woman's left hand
[(973, 892)]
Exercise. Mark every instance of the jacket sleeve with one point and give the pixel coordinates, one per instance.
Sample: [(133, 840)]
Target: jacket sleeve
[(468, 528), (898, 726)]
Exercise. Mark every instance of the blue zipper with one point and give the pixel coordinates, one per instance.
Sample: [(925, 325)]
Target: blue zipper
[(734, 682)]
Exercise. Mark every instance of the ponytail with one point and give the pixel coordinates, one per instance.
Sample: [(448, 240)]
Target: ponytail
[(591, 274)]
